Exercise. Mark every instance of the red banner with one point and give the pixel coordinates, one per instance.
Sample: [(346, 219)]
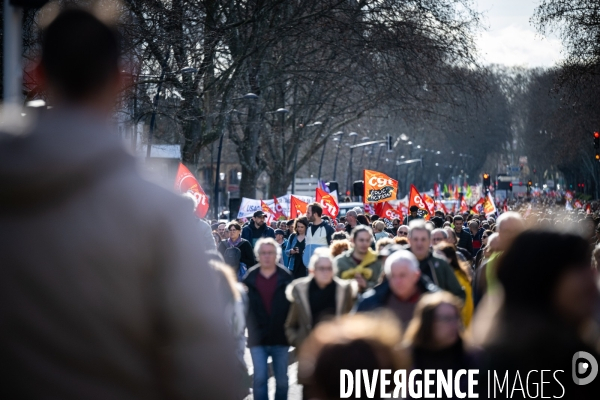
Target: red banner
[(385, 210), (429, 203), (297, 207), (328, 202), (478, 207), (436, 191), (186, 182), (440, 206), (463, 206), (415, 199), (279, 215)]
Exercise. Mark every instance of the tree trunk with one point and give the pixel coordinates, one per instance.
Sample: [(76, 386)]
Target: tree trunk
[(279, 182), (248, 183)]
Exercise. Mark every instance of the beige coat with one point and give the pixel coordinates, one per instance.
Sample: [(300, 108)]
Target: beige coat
[(299, 321)]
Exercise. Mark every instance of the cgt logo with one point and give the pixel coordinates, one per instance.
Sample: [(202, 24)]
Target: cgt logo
[(584, 364), (380, 182)]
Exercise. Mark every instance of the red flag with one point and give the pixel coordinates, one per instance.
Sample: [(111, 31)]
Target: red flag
[(267, 210), (440, 206), (297, 207), (328, 202), (436, 190), (186, 182), (415, 199), (463, 206), (588, 208), (401, 209), (369, 208), (429, 203), (477, 207), (456, 192), (453, 207), (385, 210), (578, 204), (279, 214)]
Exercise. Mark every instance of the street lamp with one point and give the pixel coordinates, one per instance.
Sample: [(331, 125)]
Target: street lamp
[(316, 123)]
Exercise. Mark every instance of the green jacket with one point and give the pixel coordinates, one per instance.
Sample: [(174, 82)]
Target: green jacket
[(442, 275), (345, 262)]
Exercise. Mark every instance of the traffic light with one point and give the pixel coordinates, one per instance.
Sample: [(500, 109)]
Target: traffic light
[(486, 180), (510, 186), (333, 185), (529, 184), (597, 156), (597, 140)]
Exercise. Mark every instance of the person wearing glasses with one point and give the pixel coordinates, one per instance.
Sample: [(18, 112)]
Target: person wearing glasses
[(236, 241), (317, 297), (403, 231), (484, 240)]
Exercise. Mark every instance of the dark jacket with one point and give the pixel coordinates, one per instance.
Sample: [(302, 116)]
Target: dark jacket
[(377, 297), (247, 256), (265, 329), (250, 231), (465, 240), (440, 273)]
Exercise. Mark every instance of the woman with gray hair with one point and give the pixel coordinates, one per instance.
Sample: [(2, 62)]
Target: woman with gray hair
[(317, 297)]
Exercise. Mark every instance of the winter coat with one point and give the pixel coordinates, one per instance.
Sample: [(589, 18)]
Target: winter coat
[(264, 231), (299, 320), (265, 329), (321, 238), (440, 273), (465, 240), (345, 262), (104, 280), (247, 253)]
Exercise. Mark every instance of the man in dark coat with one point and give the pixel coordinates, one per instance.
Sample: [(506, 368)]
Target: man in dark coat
[(268, 309), (257, 228)]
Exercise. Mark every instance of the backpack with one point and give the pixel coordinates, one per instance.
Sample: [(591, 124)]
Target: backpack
[(232, 258)]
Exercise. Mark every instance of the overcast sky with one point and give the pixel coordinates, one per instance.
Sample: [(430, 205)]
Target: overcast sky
[(510, 39)]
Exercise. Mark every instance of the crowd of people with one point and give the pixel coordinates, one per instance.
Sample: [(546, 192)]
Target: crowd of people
[(441, 281), (111, 288)]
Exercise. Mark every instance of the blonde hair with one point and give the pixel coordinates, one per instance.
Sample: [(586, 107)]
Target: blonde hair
[(379, 226)]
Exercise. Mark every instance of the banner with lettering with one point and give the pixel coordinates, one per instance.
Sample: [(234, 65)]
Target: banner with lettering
[(249, 206), (386, 211), (379, 187), (415, 199)]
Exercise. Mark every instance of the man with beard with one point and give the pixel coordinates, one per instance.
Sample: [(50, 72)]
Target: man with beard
[(319, 232), (257, 229)]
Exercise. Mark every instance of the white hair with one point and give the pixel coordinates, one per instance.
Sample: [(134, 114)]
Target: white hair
[(440, 230), (507, 216), (418, 225), (267, 241), (190, 197), (401, 256), (321, 253)]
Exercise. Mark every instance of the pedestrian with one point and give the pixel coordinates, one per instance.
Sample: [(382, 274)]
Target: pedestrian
[(414, 214), (237, 251), (360, 262), (403, 231), (401, 289), (340, 227), (379, 230), (222, 229), (549, 296), (351, 221), (338, 246), (463, 273), (267, 312), (436, 269), (484, 241), (318, 233), (435, 340), (284, 227), (476, 232), (295, 248), (280, 238), (290, 228), (317, 297), (104, 281), (464, 238), (341, 235), (257, 228), (362, 342), (437, 236), (395, 225), (463, 254), (205, 237)]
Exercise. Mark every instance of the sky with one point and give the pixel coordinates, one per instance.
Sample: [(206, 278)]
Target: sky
[(510, 39)]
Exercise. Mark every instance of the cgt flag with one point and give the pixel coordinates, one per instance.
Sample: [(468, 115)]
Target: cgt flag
[(415, 199), (297, 207), (328, 202), (386, 211), (489, 207), (186, 182), (379, 187), (279, 213), (429, 203), (478, 207)]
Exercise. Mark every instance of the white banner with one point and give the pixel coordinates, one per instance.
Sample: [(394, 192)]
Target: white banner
[(249, 206)]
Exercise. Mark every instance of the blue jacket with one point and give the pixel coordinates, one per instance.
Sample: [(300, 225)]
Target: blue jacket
[(291, 243), (377, 297), (250, 230)]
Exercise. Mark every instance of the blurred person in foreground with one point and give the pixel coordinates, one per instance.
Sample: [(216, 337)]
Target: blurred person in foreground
[(319, 297), (361, 341), (267, 312), (104, 291), (401, 289), (546, 299), (434, 336)]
